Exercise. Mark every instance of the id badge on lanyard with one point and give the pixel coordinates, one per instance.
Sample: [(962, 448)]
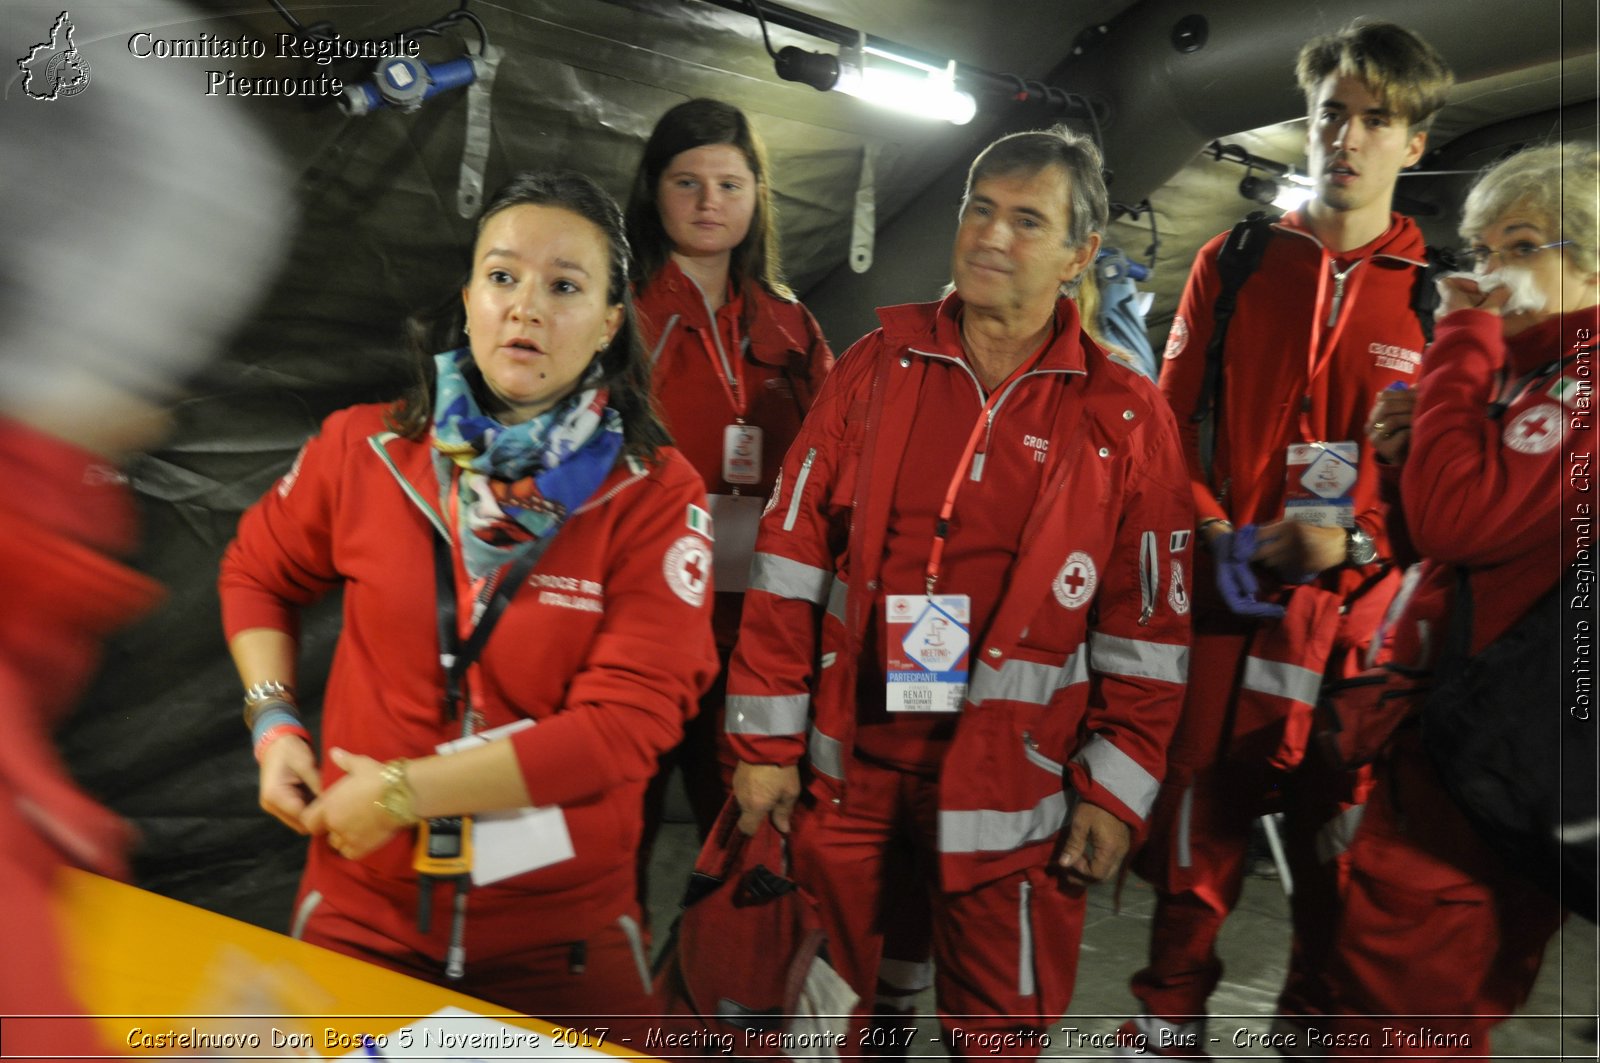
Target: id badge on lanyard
[(1318, 479), (741, 453), (926, 642)]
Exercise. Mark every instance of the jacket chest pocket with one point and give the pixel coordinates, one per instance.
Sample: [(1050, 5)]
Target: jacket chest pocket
[(848, 456)]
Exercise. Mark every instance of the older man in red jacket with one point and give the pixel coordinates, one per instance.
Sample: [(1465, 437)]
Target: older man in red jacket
[(967, 618)]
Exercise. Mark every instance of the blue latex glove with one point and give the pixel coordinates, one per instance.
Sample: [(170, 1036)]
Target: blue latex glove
[(1235, 579)]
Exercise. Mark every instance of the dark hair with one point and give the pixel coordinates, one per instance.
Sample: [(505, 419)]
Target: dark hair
[(696, 124), (624, 370), (1088, 205), (1399, 68)]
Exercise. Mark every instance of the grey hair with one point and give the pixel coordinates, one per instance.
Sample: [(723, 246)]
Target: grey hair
[(1088, 204), (1556, 185)]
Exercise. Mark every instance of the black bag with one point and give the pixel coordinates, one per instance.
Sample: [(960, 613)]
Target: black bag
[(1512, 734)]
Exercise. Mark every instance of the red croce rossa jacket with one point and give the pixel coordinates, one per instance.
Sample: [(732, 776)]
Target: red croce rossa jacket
[(1305, 357), (778, 349), (780, 357), (1509, 498), (607, 647), (1066, 701)]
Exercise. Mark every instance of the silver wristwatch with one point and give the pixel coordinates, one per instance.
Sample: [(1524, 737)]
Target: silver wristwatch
[(1359, 549)]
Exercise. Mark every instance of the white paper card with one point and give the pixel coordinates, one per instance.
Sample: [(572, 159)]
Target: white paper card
[(517, 840), (736, 518)]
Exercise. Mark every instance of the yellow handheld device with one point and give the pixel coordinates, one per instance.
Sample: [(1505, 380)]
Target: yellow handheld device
[(444, 847)]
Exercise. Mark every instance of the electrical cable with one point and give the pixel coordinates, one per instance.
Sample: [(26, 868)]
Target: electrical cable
[(431, 29), (1134, 213), (755, 6), (293, 22), (1155, 237)]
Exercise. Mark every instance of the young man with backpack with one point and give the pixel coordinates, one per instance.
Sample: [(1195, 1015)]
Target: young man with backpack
[(1321, 310)]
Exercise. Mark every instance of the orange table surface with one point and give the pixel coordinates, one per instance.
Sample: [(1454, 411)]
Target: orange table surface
[(144, 962)]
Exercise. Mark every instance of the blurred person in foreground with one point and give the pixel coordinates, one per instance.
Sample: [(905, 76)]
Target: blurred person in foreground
[(1440, 939), (119, 204), (980, 491), (524, 504)]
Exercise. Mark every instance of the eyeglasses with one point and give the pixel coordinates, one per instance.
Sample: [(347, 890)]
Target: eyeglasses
[(1521, 251)]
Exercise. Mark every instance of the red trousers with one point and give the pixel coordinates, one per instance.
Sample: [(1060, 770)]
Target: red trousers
[(1198, 841), (1439, 941), (599, 982), (1005, 954)]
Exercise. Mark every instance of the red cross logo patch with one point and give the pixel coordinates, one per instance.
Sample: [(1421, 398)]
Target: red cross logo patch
[(687, 567), (1177, 339), (1075, 583), (1537, 430)]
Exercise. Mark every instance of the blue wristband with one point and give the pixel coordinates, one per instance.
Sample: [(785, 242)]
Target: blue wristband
[(280, 715)]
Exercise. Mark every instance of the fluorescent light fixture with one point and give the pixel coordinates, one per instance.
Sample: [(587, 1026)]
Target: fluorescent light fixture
[(904, 85), (1294, 192)]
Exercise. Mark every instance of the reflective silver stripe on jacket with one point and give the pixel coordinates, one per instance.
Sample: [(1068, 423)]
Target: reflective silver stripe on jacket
[(302, 915), (1281, 680), (1337, 834), (907, 977), (1119, 773), (767, 714), (635, 936), (1027, 681), (986, 830), (826, 753), (837, 595), (1138, 658), (1185, 821), (789, 579), (1025, 980), (798, 494)]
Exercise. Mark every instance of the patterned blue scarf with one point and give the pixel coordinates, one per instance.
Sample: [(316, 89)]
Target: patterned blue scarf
[(518, 483)]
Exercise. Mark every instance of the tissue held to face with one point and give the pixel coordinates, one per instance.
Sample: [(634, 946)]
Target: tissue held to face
[(1526, 295), (1524, 274)]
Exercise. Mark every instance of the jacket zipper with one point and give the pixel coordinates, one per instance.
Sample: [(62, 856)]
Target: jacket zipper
[(988, 428), (722, 353), (609, 495), (1030, 749), (1333, 316), (1338, 289), (799, 490), (1149, 575), (661, 344)]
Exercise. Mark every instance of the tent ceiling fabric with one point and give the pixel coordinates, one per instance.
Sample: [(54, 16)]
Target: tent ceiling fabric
[(580, 85)]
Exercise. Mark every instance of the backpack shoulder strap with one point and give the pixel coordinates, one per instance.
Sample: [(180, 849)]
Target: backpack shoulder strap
[(1237, 259), (1424, 292)]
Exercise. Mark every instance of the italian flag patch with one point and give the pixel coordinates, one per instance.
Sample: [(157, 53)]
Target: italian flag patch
[(1565, 391), (700, 522)]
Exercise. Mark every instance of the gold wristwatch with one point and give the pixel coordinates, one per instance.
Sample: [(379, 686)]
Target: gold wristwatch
[(397, 797)]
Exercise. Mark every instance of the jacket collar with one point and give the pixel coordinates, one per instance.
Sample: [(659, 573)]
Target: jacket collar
[(1403, 239), (771, 341), (935, 329), (410, 462)]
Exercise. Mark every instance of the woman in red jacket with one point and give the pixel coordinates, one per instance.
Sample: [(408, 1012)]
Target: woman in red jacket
[(735, 359), (1441, 939), (524, 565)]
